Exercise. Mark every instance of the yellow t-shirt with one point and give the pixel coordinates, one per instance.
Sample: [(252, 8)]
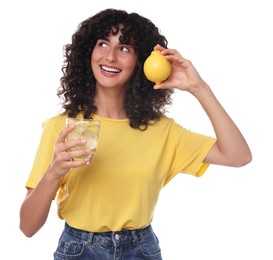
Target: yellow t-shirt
[(120, 189)]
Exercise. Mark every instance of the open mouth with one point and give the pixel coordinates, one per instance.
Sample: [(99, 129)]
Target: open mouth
[(110, 70)]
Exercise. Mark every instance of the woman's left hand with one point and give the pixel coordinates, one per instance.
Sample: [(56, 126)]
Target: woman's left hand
[(183, 75)]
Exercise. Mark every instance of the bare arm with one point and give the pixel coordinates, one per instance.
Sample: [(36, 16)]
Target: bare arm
[(36, 205), (231, 148), (35, 208)]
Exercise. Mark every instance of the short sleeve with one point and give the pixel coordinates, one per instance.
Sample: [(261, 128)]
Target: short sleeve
[(190, 151), (43, 154)]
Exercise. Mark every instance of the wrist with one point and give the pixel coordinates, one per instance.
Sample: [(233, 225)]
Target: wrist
[(52, 177), (199, 89)]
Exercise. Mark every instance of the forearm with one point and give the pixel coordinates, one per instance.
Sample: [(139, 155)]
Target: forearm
[(35, 208), (233, 148)]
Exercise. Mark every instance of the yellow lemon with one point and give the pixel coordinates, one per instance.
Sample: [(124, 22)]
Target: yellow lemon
[(83, 131), (156, 67)]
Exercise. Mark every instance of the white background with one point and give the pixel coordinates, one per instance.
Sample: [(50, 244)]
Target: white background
[(226, 214)]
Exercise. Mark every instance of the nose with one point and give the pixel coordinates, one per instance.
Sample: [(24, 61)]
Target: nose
[(111, 55)]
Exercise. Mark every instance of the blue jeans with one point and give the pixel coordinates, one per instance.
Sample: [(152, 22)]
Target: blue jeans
[(123, 245)]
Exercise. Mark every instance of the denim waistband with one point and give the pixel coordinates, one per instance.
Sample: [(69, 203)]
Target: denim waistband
[(112, 237)]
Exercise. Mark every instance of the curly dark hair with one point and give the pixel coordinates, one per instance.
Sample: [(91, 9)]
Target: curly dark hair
[(78, 85)]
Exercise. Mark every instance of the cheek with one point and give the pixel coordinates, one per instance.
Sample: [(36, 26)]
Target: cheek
[(93, 61), (132, 66), (131, 63)]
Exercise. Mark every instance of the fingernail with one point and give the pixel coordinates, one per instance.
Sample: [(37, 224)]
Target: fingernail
[(88, 161)]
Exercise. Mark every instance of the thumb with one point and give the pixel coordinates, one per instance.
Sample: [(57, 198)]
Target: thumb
[(159, 86)]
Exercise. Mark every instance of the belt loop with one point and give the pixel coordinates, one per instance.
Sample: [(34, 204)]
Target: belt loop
[(90, 237), (135, 236)]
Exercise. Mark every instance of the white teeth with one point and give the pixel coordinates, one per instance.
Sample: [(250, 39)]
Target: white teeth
[(111, 70)]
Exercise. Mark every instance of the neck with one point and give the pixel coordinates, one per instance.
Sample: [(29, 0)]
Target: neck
[(110, 104)]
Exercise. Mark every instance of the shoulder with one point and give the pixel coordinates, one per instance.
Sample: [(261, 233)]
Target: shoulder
[(169, 121), (56, 122), (167, 125)]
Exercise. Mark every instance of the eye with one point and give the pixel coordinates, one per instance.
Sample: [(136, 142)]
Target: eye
[(124, 48), (102, 44)]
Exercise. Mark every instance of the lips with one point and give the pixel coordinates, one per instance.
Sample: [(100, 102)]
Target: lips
[(110, 69)]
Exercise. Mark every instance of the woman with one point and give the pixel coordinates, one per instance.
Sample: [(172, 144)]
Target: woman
[(108, 205)]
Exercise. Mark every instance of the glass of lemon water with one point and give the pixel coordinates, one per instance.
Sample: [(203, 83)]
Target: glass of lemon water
[(87, 129)]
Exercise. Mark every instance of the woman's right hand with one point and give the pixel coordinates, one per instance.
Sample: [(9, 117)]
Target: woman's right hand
[(63, 159)]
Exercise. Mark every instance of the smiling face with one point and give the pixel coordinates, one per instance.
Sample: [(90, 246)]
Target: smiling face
[(113, 63)]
